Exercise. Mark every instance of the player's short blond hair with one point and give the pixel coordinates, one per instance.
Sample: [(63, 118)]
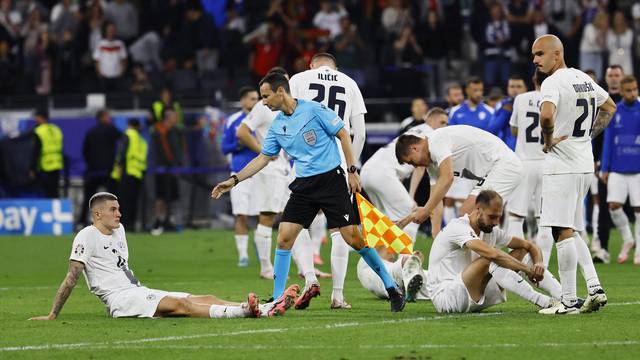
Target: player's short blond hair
[(628, 79)]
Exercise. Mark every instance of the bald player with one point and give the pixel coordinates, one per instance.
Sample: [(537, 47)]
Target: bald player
[(325, 84), (573, 111)]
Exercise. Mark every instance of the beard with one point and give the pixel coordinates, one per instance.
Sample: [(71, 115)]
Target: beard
[(487, 229)]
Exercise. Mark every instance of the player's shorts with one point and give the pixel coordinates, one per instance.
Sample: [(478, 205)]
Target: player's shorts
[(327, 192), (620, 186), (503, 178), (530, 188), (387, 193), (269, 192), (167, 187), (138, 302), (460, 188), (594, 185), (243, 198), (563, 200), (452, 296)]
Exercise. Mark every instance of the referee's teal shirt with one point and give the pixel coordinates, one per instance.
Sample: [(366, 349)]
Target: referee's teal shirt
[(308, 136)]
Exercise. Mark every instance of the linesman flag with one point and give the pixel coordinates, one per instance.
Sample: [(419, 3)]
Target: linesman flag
[(378, 229)]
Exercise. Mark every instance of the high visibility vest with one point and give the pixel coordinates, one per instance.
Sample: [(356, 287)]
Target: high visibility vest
[(135, 156), (158, 108), (51, 153)]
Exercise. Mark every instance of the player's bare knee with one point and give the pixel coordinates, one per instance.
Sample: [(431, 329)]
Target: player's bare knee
[(182, 307), (614, 206)]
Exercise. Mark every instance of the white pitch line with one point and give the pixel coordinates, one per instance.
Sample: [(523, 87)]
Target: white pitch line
[(235, 333)]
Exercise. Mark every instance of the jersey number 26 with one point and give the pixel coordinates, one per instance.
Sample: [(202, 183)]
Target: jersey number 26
[(333, 102)]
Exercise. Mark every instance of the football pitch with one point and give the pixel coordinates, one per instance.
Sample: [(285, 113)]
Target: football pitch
[(204, 262)]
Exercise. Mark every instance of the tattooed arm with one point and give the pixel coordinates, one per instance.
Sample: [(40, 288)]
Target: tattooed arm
[(605, 114), (69, 282)]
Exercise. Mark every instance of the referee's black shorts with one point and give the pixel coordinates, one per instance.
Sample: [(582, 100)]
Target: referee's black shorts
[(327, 192)]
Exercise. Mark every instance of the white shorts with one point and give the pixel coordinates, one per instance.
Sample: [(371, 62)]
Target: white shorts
[(620, 186), (503, 178), (528, 193), (242, 199), (387, 193), (269, 192), (594, 185), (372, 282), (460, 189), (452, 296), (138, 302), (563, 200)]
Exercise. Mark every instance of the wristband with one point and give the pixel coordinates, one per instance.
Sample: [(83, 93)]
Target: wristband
[(235, 179)]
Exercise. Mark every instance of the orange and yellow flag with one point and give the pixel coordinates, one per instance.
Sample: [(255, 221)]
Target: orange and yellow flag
[(378, 229)]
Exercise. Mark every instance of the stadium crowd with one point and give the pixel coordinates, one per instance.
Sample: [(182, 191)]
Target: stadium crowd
[(391, 48)]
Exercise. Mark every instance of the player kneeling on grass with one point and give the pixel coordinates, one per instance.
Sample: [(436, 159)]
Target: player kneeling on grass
[(100, 250), (406, 271), (468, 273)]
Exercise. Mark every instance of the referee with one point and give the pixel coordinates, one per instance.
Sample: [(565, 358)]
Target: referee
[(305, 130)]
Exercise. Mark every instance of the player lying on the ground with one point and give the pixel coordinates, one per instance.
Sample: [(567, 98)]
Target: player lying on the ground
[(467, 271), (407, 272), (100, 251)]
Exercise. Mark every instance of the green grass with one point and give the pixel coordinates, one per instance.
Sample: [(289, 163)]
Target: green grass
[(205, 262)]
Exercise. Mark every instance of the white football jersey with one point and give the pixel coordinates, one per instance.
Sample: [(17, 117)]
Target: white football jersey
[(105, 259), (526, 117), (449, 257), (331, 88), (577, 98), (474, 151), (385, 159), (259, 120)]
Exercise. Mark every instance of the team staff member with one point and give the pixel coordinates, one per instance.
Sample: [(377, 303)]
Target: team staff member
[(130, 165), (166, 101), (48, 159), (305, 130)]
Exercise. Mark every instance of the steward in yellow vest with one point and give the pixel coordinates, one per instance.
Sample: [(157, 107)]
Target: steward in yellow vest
[(166, 101), (48, 153), (129, 169)]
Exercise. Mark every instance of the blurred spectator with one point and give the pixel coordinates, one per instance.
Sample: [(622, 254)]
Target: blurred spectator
[(620, 42), (8, 69), (433, 39), (454, 96), (184, 78), (419, 110), (349, 50), (542, 27), (26, 7), (593, 43), (48, 159), (110, 59), (395, 18), (498, 47), (10, 20), (168, 144), (194, 37), (64, 17), (494, 97), (66, 62), (592, 75), (166, 101), (233, 54), (519, 14), (98, 152), (32, 51), (129, 170), (146, 51), (408, 52), (565, 15), (141, 83), (267, 50), (125, 17), (328, 17)]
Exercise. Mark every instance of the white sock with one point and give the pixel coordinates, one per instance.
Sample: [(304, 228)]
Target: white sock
[(567, 267), (227, 312), (448, 214), (544, 240), (302, 253), (318, 231), (586, 263), (637, 234), (262, 237), (510, 280), (621, 221), (339, 264), (515, 227), (548, 283), (595, 240), (395, 270), (242, 243), (412, 231)]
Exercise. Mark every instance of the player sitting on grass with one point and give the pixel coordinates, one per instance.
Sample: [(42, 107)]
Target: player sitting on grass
[(100, 250), (407, 272), (467, 271)]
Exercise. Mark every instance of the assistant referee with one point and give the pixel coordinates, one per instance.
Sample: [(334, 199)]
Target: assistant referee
[(305, 130)]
